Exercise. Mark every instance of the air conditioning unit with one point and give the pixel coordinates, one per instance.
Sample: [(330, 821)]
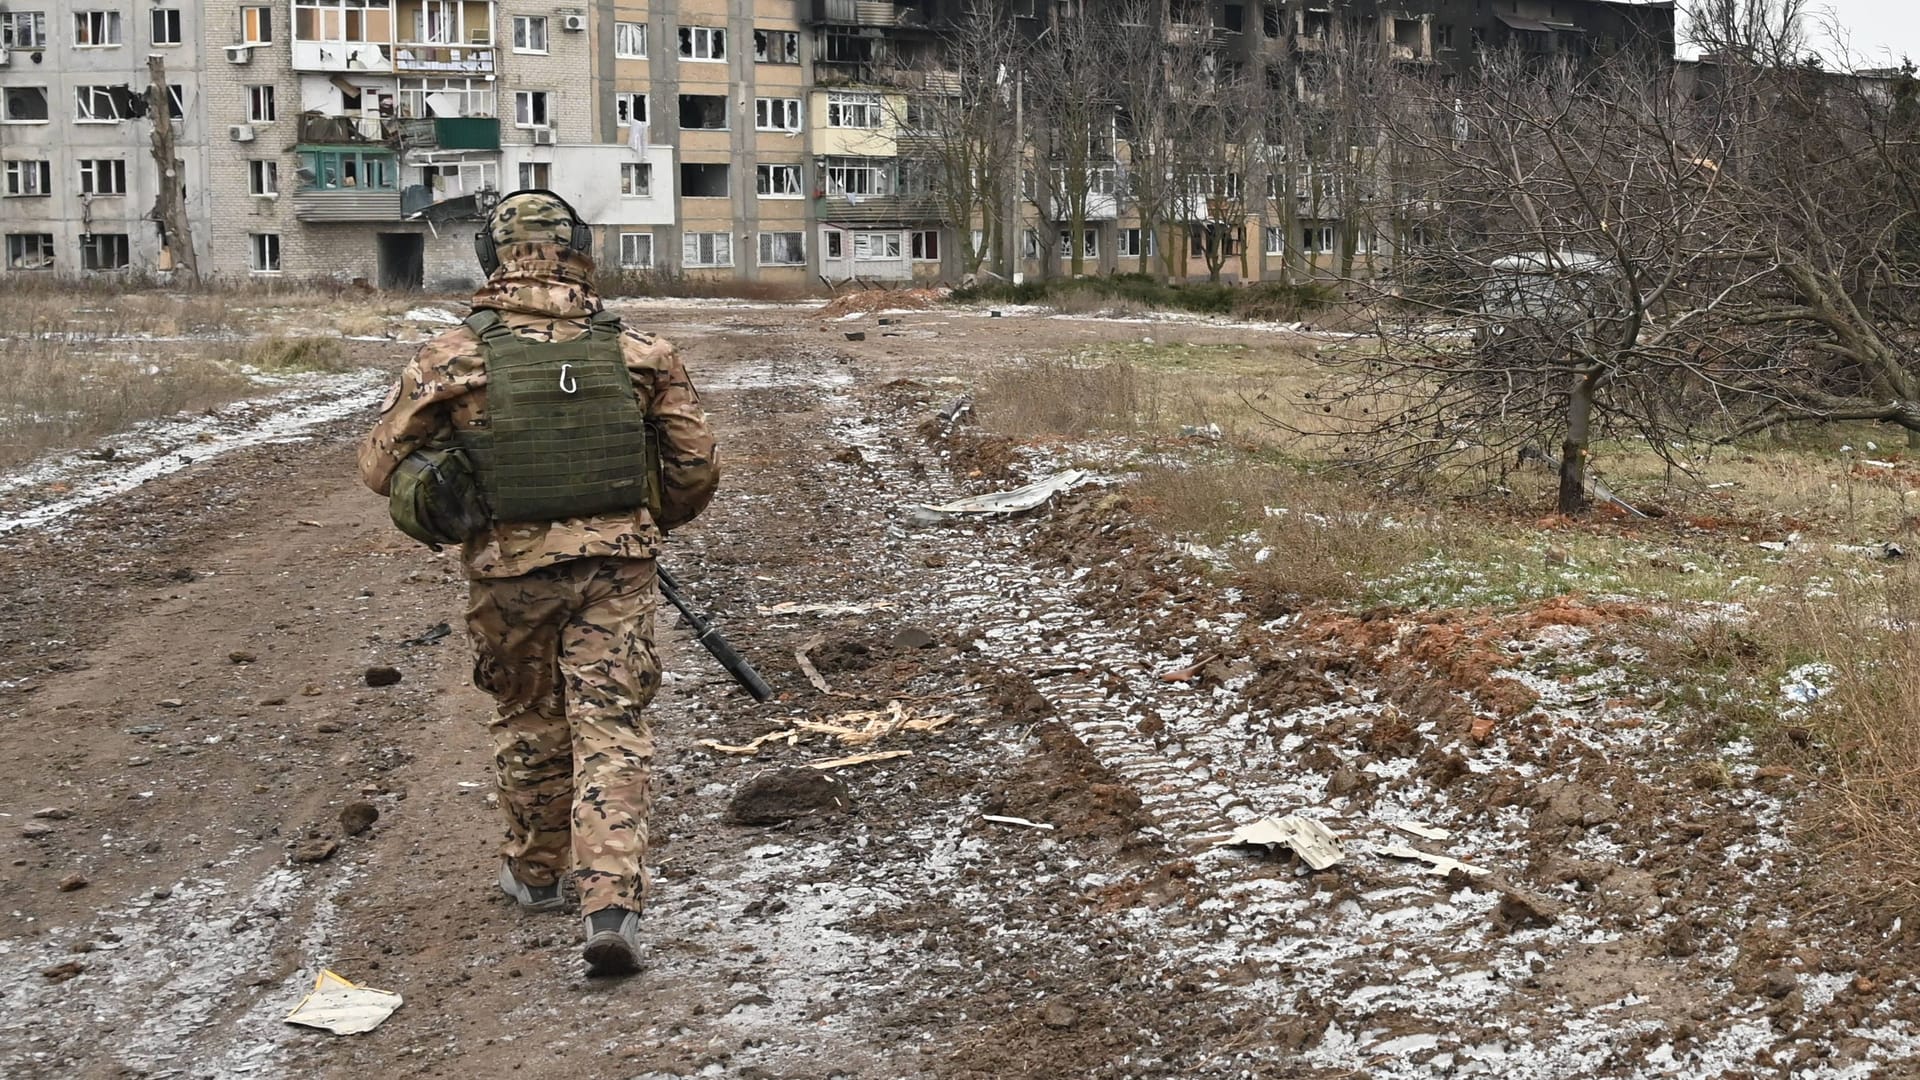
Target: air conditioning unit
[(543, 136), (575, 23), (240, 132), (239, 54)]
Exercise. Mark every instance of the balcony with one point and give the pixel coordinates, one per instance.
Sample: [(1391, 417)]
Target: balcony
[(422, 59), (856, 13), (343, 56), (451, 133), (319, 130), (340, 205)]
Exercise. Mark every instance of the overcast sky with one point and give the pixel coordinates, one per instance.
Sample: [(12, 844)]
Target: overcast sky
[(1880, 31)]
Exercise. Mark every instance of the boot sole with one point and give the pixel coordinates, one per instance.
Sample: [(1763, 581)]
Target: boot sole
[(608, 953)]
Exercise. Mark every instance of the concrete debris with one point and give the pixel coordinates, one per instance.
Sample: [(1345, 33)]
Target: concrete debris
[(1424, 832), (343, 1008), (1313, 842), (1023, 822)]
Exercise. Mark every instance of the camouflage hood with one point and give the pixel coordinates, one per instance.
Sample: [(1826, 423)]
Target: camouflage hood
[(541, 279)]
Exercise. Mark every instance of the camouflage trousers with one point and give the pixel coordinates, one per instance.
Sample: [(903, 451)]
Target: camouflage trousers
[(567, 653)]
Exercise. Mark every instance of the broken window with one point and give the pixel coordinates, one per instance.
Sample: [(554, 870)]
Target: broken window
[(776, 46), (843, 47), (778, 181), (96, 29), (23, 29), (703, 43), (629, 109), (24, 105), (331, 170), (703, 112), (776, 114), (102, 104), (703, 181), (706, 249), (104, 251), (836, 244), (636, 179), (535, 174), (874, 246), (1273, 18), (260, 107), (1234, 18), (344, 21), (263, 178), (29, 178), (926, 245), (853, 110), (859, 176), (782, 249), (29, 251), (263, 252), (103, 176)]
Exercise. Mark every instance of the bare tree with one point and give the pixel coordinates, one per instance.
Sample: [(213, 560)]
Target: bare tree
[(1071, 112)]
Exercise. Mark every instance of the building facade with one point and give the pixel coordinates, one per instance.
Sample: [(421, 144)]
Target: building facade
[(761, 140)]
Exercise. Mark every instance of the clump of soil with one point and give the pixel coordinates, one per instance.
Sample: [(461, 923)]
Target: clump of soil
[(1062, 784)]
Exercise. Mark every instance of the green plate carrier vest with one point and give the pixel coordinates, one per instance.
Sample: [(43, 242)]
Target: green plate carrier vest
[(565, 437)]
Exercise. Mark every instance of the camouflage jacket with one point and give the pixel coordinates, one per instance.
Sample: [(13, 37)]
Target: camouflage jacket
[(542, 292)]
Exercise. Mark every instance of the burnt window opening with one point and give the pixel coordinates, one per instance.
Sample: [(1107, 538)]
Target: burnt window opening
[(703, 112), (1234, 18), (1273, 19), (703, 181), (848, 48)]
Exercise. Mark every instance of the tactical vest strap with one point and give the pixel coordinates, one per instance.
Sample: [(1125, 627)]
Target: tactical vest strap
[(486, 321)]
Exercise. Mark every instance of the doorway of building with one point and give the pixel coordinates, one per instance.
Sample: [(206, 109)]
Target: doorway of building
[(402, 261)]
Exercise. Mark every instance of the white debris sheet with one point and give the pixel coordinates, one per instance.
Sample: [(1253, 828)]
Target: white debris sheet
[(342, 1007), (1019, 500), (1313, 842)]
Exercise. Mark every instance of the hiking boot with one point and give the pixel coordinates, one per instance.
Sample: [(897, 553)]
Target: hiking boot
[(613, 942), (529, 897)]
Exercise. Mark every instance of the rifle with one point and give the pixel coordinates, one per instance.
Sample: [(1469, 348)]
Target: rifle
[(705, 633)]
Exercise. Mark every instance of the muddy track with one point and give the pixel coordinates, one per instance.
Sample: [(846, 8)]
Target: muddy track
[(183, 670)]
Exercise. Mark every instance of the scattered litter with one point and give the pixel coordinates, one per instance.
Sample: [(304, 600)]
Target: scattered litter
[(1435, 864), (343, 1008), (1424, 832), (1807, 683), (857, 728), (1019, 500), (859, 759), (439, 631), (1313, 842), (433, 315), (806, 664), (1191, 671), (795, 608), (1209, 432), (1779, 545), (1016, 821)]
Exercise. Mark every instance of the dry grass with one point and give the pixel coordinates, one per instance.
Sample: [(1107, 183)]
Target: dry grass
[(1316, 539), (1061, 397), (54, 397), (295, 354), (91, 311)]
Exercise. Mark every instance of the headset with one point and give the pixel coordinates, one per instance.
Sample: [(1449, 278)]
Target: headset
[(579, 240)]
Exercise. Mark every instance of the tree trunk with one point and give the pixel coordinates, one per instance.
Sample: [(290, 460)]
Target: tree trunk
[(170, 203), (1573, 452)]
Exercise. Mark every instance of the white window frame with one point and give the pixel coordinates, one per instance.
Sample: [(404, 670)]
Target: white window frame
[(776, 114), (1089, 244), (855, 111), (120, 244), (1276, 240), (29, 178), (630, 255), (43, 246), (624, 109), (763, 46), (102, 176), (530, 174), (1317, 240), (836, 244), (706, 250), (918, 247), (636, 180), (525, 29), (90, 101), (777, 180), (159, 18), (256, 24), (864, 242), (523, 110), (24, 30), (262, 107), (46, 102), (263, 253), (1133, 243), (703, 45), (630, 41), (767, 248), (862, 177), (263, 178), (101, 27)]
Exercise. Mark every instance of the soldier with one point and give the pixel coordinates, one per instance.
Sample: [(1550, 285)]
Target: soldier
[(581, 472)]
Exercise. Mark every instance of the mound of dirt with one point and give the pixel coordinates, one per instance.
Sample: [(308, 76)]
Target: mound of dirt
[(870, 301)]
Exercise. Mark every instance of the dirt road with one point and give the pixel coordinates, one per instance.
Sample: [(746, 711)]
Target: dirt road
[(185, 714)]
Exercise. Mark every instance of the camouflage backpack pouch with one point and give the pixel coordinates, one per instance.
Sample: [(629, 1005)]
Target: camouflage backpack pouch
[(436, 499)]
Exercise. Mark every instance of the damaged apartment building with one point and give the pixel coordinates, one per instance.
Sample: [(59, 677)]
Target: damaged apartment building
[(763, 140)]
